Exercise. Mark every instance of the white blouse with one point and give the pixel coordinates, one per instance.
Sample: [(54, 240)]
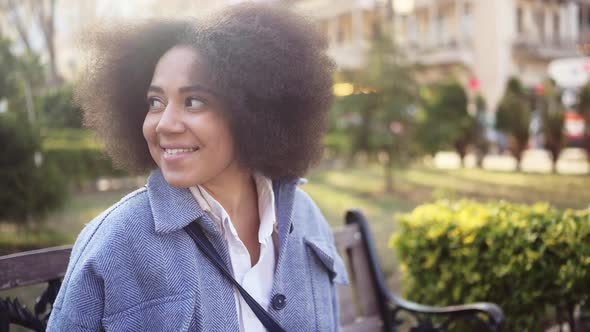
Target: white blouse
[(257, 279)]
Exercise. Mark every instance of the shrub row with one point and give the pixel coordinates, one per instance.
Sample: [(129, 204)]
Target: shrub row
[(81, 166), (29, 189), (534, 261), (34, 176), (78, 155)]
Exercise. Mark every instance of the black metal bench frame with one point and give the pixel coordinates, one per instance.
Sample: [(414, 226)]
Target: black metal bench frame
[(391, 307), (354, 239)]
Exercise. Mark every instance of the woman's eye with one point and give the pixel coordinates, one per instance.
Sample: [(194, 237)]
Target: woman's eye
[(155, 103), (194, 103)]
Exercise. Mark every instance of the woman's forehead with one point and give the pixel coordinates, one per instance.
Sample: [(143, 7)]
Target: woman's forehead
[(182, 64)]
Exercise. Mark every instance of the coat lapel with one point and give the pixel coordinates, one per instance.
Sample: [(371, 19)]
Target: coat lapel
[(284, 198), (174, 208)]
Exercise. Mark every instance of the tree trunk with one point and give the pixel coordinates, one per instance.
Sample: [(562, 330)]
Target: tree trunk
[(388, 169), (570, 308), (46, 18), (362, 140), (19, 25)]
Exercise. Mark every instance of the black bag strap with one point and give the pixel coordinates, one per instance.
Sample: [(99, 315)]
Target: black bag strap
[(196, 233)]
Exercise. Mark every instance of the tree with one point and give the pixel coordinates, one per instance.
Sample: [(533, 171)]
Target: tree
[(514, 115), (58, 110), (30, 186), (478, 135), (553, 114), (344, 137), (354, 113), (384, 94), (583, 108), (27, 14), (20, 78), (444, 121), (7, 61)]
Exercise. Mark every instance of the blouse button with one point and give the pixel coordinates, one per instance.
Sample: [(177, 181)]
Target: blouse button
[(279, 301)]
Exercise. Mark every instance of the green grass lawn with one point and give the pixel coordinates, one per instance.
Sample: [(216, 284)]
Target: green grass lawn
[(335, 191), (61, 227)]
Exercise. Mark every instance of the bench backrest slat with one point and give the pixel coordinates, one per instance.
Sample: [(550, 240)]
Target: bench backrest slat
[(359, 307), (348, 310), (33, 267), (346, 237), (365, 287)]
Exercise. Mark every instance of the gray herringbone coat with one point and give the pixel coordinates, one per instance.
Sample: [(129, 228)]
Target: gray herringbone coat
[(134, 268)]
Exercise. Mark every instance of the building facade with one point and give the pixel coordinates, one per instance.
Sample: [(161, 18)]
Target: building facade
[(479, 42), (476, 41)]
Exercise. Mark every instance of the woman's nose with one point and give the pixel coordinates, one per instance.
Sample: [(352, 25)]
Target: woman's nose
[(171, 121)]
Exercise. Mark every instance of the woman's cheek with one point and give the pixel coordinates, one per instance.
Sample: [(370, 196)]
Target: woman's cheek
[(149, 128)]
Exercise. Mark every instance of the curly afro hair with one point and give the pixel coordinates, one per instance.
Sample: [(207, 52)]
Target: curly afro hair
[(268, 63)]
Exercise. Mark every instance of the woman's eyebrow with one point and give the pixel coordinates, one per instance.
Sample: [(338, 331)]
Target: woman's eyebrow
[(154, 88), (184, 89), (196, 88)]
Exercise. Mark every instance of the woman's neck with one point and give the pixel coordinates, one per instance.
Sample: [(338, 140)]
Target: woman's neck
[(236, 191)]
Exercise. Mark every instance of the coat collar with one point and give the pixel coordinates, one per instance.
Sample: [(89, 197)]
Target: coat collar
[(174, 208)]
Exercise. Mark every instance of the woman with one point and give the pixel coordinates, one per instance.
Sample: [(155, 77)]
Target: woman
[(229, 114)]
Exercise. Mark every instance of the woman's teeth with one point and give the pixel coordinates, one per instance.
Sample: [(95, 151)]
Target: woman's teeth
[(177, 151)]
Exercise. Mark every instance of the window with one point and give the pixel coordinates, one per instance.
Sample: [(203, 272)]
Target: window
[(412, 29), (540, 23), (584, 19), (344, 28), (440, 33), (424, 30), (556, 24), (370, 25), (466, 23), (519, 20)]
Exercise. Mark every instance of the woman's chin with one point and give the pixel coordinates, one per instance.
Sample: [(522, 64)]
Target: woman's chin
[(178, 180)]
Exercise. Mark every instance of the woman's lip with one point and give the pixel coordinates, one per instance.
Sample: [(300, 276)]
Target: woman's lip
[(178, 147)]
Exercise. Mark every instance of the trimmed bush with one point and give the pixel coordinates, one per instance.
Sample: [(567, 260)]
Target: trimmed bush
[(339, 143), (82, 166), (58, 110), (534, 261), (29, 191), (78, 155)]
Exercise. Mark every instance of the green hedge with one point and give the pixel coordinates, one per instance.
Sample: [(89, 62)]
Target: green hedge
[(29, 189), (81, 166), (78, 155), (534, 261), (339, 143)]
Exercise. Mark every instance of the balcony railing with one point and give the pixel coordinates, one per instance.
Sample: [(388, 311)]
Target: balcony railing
[(427, 3), (548, 49), (450, 52)]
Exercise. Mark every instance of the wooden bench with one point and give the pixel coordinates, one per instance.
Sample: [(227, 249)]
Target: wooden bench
[(365, 304)]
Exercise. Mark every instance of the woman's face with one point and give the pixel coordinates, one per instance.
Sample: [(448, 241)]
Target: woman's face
[(187, 135)]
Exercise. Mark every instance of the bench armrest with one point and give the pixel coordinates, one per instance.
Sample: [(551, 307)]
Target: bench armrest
[(489, 315)]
